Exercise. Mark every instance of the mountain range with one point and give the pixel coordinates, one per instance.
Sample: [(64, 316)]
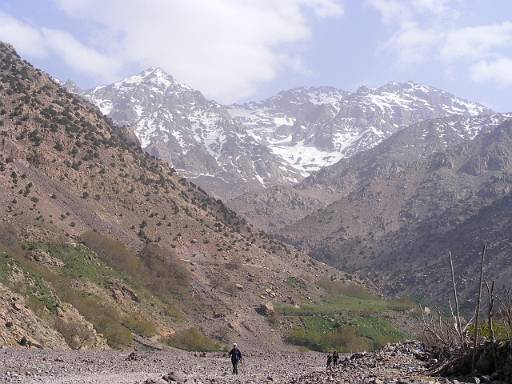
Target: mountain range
[(105, 243), (342, 175), (230, 150)]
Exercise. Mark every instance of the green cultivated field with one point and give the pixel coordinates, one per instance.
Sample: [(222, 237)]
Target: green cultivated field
[(349, 320)]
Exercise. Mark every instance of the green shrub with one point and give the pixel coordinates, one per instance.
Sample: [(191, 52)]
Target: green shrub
[(357, 334), (295, 282), (139, 325), (192, 339), (346, 339), (105, 320), (155, 268)]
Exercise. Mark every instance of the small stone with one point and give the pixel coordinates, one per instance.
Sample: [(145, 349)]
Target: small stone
[(132, 357), (171, 377)]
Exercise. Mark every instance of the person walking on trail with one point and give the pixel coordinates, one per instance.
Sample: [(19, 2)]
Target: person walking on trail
[(329, 361), (335, 358), (236, 356)]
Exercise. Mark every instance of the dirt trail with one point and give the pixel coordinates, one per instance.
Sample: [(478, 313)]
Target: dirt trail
[(404, 363), (108, 367)]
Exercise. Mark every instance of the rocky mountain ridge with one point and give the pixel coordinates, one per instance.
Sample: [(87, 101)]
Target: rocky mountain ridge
[(398, 209), (235, 149), (282, 206)]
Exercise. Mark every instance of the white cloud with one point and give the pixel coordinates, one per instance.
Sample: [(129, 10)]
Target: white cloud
[(433, 6), (80, 57), (476, 42), (42, 42), (498, 71), (25, 38), (224, 47), (427, 30), (413, 44), (391, 11)]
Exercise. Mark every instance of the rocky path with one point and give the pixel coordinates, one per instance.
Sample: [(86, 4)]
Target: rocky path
[(395, 364), (109, 367)]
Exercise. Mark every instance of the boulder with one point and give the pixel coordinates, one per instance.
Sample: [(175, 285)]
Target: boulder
[(266, 309)]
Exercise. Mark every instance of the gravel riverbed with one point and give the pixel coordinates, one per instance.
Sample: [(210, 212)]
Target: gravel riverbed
[(52, 367), (404, 363)]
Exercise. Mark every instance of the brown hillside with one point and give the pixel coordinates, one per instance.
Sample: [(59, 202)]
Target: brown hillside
[(101, 243)]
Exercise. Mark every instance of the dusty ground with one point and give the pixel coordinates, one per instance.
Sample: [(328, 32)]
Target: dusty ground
[(35, 366), (394, 364)]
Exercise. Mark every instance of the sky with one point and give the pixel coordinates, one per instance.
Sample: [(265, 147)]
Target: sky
[(238, 50)]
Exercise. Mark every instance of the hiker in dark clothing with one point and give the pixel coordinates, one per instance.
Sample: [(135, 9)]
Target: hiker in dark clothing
[(335, 358), (329, 361), (236, 356)]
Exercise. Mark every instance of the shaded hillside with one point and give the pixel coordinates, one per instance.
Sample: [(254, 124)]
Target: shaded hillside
[(403, 205), (104, 245)]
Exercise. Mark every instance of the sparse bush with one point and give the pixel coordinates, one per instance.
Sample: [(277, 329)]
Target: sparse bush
[(295, 282), (139, 325), (192, 339), (169, 275), (113, 252), (58, 147), (105, 320), (156, 268)]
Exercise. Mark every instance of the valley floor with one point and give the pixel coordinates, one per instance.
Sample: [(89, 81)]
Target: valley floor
[(113, 367), (391, 365)]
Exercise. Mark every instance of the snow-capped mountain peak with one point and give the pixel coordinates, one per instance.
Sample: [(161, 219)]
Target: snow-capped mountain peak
[(278, 140), (152, 77), (311, 128)]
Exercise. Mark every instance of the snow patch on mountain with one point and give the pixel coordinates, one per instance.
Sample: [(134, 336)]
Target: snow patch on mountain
[(304, 158)]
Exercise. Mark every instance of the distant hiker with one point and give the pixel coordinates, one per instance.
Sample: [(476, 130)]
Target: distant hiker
[(329, 361), (335, 358), (236, 356)]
